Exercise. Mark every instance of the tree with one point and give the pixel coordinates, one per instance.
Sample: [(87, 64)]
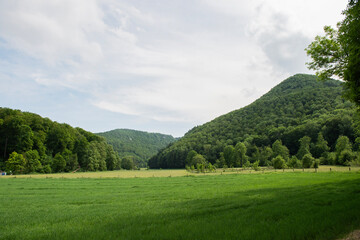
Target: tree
[(127, 163), (304, 147), (338, 52), (229, 155), (342, 144), (265, 156), (279, 149), (321, 147), (189, 158), (307, 161), (346, 157), (15, 163), (32, 161), (294, 162), (278, 162), (59, 163), (240, 149)]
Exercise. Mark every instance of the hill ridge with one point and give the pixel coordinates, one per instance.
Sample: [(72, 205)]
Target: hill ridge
[(294, 106)]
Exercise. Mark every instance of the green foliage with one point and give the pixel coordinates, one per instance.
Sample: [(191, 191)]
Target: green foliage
[(51, 147), (255, 166), (294, 162), (346, 157), (140, 145), (272, 125), (280, 150), (59, 163), (189, 158), (240, 151), (229, 155), (198, 159), (278, 162), (316, 163), (32, 161), (304, 147), (127, 163), (321, 148), (15, 163), (307, 161), (338, 52)]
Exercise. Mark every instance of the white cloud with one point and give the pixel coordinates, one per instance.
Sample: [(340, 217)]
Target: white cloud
[(167, 61)]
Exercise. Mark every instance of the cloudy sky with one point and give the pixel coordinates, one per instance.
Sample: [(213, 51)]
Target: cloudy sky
[(158, 66)]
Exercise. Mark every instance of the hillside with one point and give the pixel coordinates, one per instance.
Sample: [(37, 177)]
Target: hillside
[(299, 106), (140, 145), (31, 143)]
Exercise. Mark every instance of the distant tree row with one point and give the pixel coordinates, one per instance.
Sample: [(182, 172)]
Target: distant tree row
[(30, 143), (278, 155)]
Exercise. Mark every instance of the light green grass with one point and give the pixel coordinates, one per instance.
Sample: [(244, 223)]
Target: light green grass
[(144, 173), (235, 206)]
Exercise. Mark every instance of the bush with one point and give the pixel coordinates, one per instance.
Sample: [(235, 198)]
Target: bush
[(316, 163), (278, 162), (247, 164), (294, 162), (346, 156), (127, 163), (307, 161), (255, 166)]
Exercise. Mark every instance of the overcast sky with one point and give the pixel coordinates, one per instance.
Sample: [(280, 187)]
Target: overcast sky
[(158, 66)]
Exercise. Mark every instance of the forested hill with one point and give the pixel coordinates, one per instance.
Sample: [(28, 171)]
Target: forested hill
[(31, 143), (140, 145), (299, 106)]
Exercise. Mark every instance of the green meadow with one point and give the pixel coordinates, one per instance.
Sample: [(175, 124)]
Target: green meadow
[(277, 205)]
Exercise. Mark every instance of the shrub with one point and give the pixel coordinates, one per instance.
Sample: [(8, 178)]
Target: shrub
[(345, 157), (316, 163), (255, 165), (307, 161), (278, 162), (294, 162)]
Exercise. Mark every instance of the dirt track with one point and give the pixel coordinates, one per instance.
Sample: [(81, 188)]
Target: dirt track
[(355, 235)]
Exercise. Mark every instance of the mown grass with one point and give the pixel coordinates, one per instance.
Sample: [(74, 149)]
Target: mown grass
[(235, 206)]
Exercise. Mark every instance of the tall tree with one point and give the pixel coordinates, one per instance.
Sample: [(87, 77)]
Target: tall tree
[(304, 147), (280, 150), (240, 150), (338, 52), (321, 147)]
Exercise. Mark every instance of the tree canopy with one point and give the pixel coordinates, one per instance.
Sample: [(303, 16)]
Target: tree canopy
[(30, 143), (140, 145), (338, 52)]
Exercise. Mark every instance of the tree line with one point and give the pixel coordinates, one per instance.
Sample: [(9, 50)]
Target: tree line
[(30, 143)]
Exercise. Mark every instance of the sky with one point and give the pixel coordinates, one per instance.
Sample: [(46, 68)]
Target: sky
[(157, 66)]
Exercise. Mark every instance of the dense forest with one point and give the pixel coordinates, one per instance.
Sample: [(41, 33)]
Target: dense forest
[(299, 123), (30, 143), (136, 144)]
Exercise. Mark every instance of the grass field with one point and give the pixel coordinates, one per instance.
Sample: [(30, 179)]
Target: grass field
[(289, 205)]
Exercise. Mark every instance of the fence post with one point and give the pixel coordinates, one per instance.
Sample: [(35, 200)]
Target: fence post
[(330, 169), (349, 168)]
